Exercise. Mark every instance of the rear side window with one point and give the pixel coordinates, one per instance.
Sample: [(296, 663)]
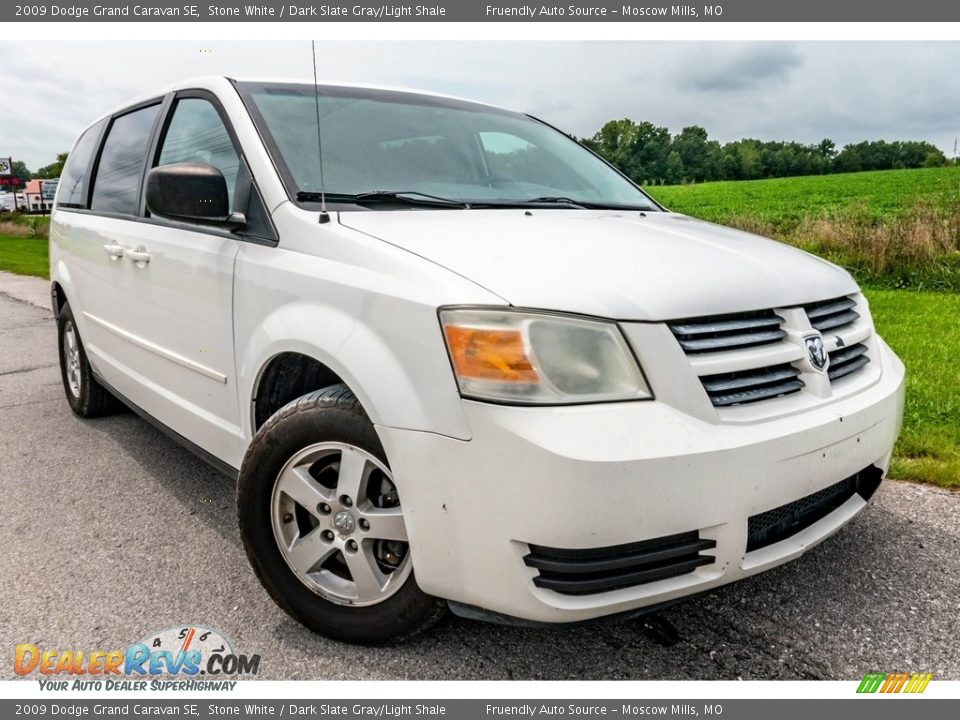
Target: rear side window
[(121, 162), (196, 134), (72, 190)]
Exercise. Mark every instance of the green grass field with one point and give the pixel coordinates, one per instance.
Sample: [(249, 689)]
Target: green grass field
[(892, 228), (24, 255), (923, 329), (785, 202)]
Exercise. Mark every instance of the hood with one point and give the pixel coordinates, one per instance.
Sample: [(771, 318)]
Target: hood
[(613, 264)]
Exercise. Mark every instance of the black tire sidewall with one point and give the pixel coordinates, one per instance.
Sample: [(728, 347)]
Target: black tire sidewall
[(80, 405), (400, 615)]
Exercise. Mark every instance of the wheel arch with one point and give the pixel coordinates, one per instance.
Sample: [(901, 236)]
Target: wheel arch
[(284, 377), (328, 346), (61, 286)]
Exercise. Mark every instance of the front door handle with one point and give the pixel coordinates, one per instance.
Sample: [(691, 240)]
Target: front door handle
[(140, 256), (114, 250)]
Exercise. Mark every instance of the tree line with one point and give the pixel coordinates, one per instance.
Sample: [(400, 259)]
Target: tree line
[(650, 155)]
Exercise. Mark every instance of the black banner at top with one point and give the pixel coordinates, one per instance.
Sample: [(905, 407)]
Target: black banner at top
[(482, 11)]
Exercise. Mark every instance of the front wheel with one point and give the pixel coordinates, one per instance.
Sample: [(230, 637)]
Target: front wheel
[(322, 523)]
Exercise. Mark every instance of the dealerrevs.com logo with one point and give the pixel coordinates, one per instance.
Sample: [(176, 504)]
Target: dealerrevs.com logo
[(188, 657)]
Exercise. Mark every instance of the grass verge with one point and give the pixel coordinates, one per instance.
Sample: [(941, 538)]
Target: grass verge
[(894, 228), (24, 255), (922, 328)]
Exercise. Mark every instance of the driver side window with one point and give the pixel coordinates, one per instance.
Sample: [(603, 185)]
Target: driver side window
[(196, 134)]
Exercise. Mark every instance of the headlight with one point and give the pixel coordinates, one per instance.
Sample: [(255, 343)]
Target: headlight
[(538, 358)]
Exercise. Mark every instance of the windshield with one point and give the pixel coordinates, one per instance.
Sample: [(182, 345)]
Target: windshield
[(417, 146)]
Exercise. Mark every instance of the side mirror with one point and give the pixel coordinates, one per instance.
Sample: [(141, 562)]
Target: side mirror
[(192, 192)]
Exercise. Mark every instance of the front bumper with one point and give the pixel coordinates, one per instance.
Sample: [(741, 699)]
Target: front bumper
[(608, 475)]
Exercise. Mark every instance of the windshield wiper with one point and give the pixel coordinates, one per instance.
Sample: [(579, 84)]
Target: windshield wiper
[(387, 197), (560, 202)]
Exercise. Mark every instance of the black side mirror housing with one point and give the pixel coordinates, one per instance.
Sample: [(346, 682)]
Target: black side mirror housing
[(191, 192)]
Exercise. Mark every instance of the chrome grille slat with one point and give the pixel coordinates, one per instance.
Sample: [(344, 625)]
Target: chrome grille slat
[(832, 314), (845, 361), (758, 378), (727, 342), (829, 307), (738, 388), (836, 321), (848, 353), (691, 328), (749, 396), (727, 332)]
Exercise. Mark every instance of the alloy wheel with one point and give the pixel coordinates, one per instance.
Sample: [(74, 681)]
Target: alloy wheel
[(337, 521)]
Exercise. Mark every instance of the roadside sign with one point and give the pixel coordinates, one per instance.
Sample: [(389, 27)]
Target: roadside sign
[(48, 189)]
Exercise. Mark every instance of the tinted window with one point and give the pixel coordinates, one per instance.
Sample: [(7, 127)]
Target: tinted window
[(121, 162), (196, 134), (73, 179), (396, 141)]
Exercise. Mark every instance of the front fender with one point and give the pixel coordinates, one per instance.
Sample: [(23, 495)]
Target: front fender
[(396, 365)]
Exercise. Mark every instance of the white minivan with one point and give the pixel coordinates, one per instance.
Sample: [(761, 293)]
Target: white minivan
[(455, 359)]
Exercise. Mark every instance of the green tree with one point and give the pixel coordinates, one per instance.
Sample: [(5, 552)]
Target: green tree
[(673, 170), (649, 155), (54, 169), (699, 155), (639, 150), (21, 171)]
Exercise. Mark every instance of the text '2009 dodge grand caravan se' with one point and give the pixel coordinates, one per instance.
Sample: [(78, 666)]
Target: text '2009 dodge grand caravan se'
[(461, 361)]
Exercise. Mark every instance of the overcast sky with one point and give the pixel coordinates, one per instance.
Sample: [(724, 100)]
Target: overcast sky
[(803, 91)]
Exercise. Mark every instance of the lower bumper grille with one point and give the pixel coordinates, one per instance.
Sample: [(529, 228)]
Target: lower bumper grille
[(782, 522), (595, 570)]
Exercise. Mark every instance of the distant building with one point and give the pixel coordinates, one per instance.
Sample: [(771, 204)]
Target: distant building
[(38, 195), (11, 201)]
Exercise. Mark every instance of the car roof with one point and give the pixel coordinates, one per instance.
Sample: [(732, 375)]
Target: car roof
[(220, 82)]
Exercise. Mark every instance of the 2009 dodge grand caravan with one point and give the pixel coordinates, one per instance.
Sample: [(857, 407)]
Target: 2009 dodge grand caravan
[(454, 358)]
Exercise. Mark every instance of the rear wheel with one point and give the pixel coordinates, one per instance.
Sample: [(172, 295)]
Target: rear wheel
[(87, 397), (323, 525)]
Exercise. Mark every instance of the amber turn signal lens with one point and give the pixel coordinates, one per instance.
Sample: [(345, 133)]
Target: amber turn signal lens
[(484, 354)]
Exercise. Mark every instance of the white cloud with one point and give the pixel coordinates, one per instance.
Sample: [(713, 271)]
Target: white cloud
[(796, 91)]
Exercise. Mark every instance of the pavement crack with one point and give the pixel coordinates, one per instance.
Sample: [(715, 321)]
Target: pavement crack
[(28, 402), (26, 369), (23, 301)]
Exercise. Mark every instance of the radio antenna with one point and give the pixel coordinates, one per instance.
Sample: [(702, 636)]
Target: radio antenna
[(324, 217)]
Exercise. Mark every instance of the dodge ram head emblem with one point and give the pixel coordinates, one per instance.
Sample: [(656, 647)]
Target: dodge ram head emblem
[(816, 352)]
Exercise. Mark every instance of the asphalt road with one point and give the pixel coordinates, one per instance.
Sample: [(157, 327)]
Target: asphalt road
[(111, 531)]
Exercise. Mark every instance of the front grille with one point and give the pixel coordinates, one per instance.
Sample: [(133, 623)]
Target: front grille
[(728, 332), (844, 361), (747, 386), (595, 570), (832, 314), (778, 524), (748, 357)]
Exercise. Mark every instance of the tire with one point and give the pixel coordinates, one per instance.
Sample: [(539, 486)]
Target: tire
[(87, 397), (338, 564)]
